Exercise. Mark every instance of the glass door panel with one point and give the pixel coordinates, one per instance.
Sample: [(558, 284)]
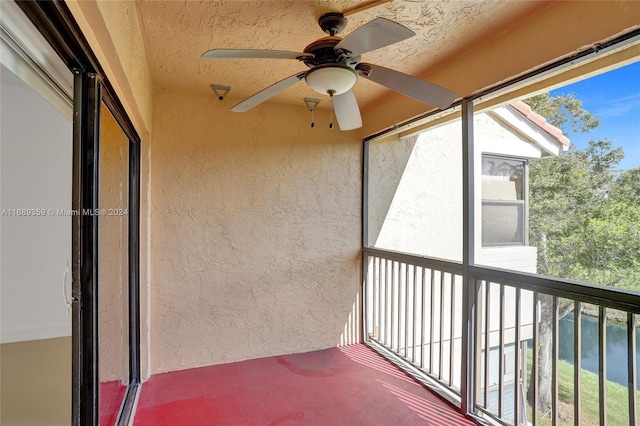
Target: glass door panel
[(113, 267), (35, 232), (36, 156)]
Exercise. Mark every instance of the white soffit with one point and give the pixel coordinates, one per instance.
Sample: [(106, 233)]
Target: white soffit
[(528, 129)]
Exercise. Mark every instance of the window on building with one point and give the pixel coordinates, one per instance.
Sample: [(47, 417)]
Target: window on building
[(503, 201)]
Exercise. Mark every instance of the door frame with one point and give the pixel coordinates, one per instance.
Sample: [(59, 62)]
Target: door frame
[(91, 87)]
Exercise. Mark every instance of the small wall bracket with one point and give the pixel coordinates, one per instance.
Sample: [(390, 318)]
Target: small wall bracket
[(311, 103), (220, 90)]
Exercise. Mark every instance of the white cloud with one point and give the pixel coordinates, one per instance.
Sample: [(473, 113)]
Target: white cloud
[(619, 107)]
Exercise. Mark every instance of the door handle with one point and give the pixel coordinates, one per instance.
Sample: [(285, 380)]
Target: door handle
[(65, 293)]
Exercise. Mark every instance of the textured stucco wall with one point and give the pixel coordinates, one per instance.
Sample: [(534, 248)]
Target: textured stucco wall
[(415, 193), (112, 245), (255, 232)]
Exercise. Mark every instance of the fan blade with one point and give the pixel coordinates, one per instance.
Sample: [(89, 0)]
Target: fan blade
[(255, 53), (378, 33), (347, 111), (413, 87), (267, 93)]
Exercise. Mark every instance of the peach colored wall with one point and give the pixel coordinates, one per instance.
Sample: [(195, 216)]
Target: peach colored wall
[(255, 232)]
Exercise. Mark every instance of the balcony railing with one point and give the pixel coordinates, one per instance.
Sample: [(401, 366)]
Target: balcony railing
[(414, 314)]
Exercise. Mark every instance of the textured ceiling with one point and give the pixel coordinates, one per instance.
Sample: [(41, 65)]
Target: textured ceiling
[(178, 32)]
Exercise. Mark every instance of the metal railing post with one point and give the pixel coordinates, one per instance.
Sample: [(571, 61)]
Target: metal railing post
[(469, 355)]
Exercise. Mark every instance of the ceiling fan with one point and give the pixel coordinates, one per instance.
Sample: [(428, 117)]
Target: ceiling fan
[(334, 67)]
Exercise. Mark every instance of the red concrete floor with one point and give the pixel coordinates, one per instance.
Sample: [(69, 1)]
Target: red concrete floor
[(111, 396), (338, 386)]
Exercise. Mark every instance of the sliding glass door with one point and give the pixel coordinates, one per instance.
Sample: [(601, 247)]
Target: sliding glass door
[(36, 155), (71, 250)]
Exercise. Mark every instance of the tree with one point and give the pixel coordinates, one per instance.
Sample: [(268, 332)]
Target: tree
[(579, 215), (583, 217), (563, 111)]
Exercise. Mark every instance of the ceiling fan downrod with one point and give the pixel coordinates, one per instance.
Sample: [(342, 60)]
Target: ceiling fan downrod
[(333, 23)]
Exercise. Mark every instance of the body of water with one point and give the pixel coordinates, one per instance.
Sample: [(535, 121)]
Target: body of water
[(616, 347)]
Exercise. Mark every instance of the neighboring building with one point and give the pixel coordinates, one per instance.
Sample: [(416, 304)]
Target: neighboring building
[(510, 136), (415, 202), (415, 206)]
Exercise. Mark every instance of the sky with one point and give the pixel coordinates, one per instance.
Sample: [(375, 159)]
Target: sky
[(614, 97)]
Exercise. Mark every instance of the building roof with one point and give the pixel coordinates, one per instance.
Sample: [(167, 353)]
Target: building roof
[(553, 131)]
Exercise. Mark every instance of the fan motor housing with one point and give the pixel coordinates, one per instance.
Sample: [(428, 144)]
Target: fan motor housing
[(324, 53)]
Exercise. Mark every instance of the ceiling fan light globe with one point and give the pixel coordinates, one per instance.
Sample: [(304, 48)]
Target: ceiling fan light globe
[(331, 79)]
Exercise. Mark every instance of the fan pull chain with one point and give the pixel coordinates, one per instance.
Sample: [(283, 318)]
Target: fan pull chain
[(331, 122), (331, 93)]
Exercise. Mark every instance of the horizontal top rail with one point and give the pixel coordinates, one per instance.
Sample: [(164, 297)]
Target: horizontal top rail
[(423, 261), (610, 297)]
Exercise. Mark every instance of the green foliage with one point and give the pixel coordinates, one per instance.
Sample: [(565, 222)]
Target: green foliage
[(564, 112), (628, 188), (584, 217)]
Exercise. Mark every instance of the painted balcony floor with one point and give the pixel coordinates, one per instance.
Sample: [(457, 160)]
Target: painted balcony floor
[(338, 386)]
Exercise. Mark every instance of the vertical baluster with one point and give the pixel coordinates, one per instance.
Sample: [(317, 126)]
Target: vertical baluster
[(480, 308), (393, 304), (452, 328), (386, 304), (631, 368), (406, 311), (390, 284), (534, 364), (423, 318), (399, 316), (577, 361), (440, 346), (554, 363), (432, 320), (487, 341), (389, 303), (381, 305), (399, 302), (375, 316), (517, 400), (415, 309), (602, 352), (501, 355), (401, 305)]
